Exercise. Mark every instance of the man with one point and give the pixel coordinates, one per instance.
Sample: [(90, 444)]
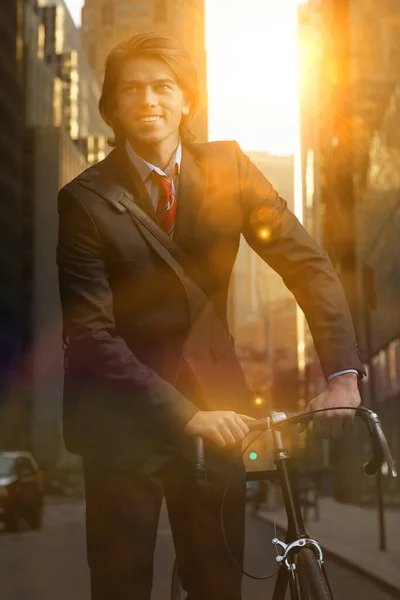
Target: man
[(133, 397)]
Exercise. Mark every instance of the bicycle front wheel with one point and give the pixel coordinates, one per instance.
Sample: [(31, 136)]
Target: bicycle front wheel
[(313, 584)]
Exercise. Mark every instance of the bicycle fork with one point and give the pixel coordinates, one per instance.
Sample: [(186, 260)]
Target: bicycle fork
[(296, 536)]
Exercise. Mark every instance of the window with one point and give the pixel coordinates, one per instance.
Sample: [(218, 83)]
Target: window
[(125, 7), (92, 55), (141, 20), (160, 11), (6, 465), (41, 41), (380, 366), (25, 467), (142, 7), (107, 13), (394, 366)]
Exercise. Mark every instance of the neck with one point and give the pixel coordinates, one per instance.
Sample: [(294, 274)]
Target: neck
[(158, 154)]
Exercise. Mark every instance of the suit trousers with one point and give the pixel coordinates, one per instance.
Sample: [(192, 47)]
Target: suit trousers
[(122, 514)]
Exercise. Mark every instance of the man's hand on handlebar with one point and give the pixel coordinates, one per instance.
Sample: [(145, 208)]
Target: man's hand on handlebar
[(222, 427), (342, 391)]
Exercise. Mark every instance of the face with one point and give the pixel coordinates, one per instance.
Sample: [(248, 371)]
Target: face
[(149, 102)]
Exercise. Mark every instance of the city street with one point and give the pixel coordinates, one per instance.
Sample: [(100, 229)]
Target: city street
[(52, 564), (200, 216)]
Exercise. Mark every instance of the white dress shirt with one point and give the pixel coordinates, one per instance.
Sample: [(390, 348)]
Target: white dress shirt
[(145, 168)]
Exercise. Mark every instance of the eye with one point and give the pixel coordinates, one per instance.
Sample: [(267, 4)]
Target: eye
[(128, 89)]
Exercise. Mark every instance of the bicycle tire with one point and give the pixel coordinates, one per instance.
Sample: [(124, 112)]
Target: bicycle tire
[(313, 584)]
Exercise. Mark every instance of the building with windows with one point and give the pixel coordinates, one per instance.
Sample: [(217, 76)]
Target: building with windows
[(378, 246), (11, 211), (344, 98), (59, 150), (113, 21), (60, 132), (76, 84), (56, 160), (350, 54)]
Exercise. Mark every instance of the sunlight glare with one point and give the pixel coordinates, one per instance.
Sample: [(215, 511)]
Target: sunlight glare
[(252, 64)]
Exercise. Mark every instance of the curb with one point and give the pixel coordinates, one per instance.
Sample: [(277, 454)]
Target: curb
[(380, 582)]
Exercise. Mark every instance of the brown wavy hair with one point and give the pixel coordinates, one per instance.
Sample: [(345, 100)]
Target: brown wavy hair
[(153, 45)]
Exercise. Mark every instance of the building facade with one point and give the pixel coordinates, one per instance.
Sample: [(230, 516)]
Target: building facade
[(351, 68), (113, 21), (60, 150), (11, 210), (62, 133), (78, 89), (379, 250), (57, 160)]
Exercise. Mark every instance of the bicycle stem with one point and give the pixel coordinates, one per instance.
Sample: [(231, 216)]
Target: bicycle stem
[(282, 462)]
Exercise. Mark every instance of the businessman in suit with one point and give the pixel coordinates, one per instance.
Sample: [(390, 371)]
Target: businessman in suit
[(133, 397)]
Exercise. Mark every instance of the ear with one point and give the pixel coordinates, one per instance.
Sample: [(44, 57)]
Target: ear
[(186, 109)]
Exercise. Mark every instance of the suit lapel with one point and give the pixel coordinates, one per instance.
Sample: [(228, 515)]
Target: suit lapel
[(191, 196), (120, 167)]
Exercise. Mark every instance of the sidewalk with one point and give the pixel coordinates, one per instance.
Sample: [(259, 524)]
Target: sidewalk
[(351, 534)]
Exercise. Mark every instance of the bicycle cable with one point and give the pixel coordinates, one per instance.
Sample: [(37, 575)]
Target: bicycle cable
[(235, 466)]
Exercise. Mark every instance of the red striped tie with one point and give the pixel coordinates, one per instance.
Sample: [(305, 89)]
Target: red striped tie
[(166, 207)]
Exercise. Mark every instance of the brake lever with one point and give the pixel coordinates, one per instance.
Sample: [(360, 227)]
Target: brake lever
[(279, 420), (380, 446)]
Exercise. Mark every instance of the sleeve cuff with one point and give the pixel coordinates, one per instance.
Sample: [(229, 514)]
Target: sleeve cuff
[(342, 373)]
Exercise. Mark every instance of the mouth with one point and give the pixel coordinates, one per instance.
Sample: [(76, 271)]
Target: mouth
[(150, 118)]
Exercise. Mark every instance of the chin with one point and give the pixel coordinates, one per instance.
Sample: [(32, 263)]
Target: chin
[(150, 137)]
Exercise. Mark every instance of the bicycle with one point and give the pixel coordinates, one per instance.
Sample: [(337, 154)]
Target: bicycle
[(300, 558)]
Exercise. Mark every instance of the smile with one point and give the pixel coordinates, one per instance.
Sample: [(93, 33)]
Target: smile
[(150, 119)]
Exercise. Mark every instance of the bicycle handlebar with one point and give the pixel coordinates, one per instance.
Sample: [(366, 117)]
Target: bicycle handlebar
[(380, 448)]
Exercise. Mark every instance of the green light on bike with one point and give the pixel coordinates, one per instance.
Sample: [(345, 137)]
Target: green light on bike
[(253, 456)]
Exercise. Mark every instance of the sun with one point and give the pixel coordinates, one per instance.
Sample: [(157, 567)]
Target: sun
[(252, 73), (252, 58)]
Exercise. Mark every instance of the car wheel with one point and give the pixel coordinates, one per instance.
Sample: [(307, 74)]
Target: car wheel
[(36, 518), (11, 522)]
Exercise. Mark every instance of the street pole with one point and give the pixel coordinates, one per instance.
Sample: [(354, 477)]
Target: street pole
[(369, 305)]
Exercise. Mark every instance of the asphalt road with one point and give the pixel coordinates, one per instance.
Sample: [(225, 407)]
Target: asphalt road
[(52, 563)]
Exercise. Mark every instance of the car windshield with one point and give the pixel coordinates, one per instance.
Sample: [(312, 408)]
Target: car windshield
[(6, 465)]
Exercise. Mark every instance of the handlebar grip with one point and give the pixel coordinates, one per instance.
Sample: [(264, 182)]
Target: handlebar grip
[(259, 424), (380, 447), (381, 452), (199, 463)]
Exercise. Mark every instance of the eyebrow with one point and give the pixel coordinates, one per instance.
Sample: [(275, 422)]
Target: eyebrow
[(139, 83)]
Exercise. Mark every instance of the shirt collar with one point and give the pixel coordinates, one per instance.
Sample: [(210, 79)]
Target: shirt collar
[(144, 168)]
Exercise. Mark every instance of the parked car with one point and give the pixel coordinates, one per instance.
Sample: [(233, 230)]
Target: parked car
[(21, 490)]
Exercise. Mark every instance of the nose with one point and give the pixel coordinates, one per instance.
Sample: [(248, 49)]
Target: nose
[(148, 96)]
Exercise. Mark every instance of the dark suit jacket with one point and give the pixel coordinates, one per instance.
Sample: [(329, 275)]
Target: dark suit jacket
[(126, 313)]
